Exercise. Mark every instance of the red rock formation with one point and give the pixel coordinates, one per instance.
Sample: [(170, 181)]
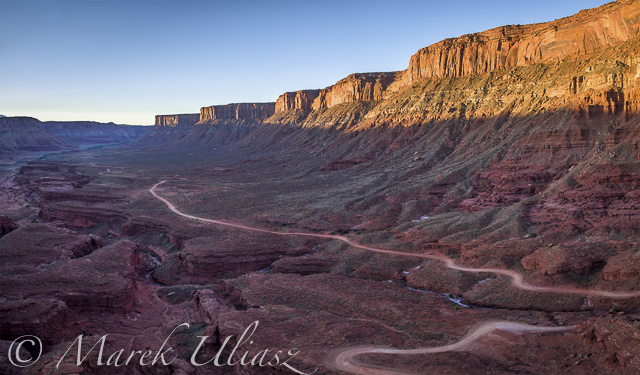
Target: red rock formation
[(355, 87), (298, 100), (78, 215), (619, 336), (33, 245), (237, 111), (50, 276), (574, 256), (623, 266), (173, 120), (205, 259), (509, 46), (603, 199)]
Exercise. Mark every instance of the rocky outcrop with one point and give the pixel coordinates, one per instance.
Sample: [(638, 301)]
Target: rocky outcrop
[(175, 120), (623, 266), (139, 225), (78, 215), (204, 260), (104, 278), (298, 100), (33, 245), (436, 277), (358, 87), (237, 111), (50, 275), (210, 305), (601, 198), (355, 93), (620, 337), (510, 46), (305, 265), (576, 257)]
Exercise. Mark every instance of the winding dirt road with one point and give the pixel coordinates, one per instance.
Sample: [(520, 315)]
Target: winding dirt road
[(516, 278), (342, 361)]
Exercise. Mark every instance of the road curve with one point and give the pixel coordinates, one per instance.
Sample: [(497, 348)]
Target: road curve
[(342, 361), (516, 278)]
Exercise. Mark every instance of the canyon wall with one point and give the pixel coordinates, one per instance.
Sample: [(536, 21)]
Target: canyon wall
[(237, 111), (181, 119), (515, 45), (365, 97), (26, 134), (590, 84), (298, 100), (29, 134), (356, 87)]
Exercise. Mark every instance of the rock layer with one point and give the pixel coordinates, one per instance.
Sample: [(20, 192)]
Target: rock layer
[(173, 120), (298, 100), (358, 87), (237, 111), (510, 46)]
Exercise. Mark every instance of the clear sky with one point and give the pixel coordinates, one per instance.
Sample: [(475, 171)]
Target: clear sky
[(126, 61)]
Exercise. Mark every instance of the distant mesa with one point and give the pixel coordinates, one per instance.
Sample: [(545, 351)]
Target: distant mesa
[(174, 120), (237, 111), (27, 134)]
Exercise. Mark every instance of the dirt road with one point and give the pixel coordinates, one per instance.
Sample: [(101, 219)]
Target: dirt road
[(516, 278), (342, 361)]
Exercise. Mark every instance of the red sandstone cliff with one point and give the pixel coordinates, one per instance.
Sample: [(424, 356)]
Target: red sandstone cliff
[(237, 111), (515, 45), (298, 100), (501, 48), (355, 87)]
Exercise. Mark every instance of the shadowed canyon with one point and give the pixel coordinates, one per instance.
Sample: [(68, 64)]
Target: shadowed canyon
[(476, 213)]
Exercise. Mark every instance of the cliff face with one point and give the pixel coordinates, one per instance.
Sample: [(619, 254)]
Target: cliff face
[(173, 120), (356, 87), (237, 111), (298, 100), (509, 46), (503, 69)]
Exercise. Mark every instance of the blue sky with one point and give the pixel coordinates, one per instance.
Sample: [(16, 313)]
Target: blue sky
[(126, 61)]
